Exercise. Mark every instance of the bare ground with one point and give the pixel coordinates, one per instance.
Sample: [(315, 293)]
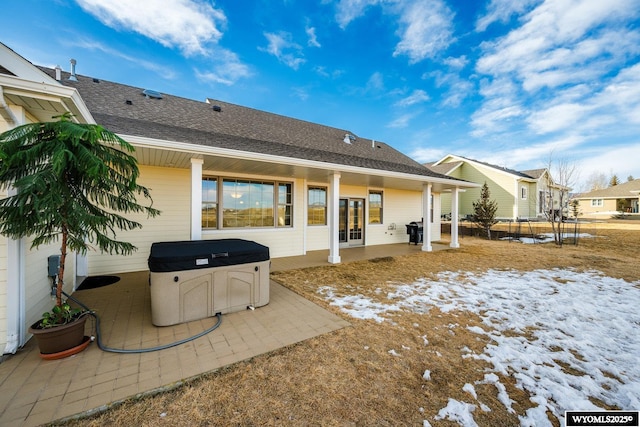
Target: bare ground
[(349, 378)]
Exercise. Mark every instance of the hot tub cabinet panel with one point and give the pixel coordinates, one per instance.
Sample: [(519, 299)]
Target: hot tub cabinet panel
[(195, 280)]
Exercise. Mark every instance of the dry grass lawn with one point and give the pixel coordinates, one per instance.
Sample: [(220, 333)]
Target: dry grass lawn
[(348, 378)]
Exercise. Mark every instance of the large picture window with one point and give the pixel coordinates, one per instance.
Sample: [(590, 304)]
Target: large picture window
[(317, 209), (375, 207), (246, 203)]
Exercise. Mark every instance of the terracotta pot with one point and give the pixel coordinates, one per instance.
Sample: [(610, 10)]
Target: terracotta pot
[(59, 338)]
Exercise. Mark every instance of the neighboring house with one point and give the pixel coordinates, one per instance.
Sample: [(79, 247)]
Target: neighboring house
[(621, 198), (519, 195), (217, 170)]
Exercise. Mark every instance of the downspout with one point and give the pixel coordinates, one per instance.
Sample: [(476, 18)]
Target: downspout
[(15, 312)]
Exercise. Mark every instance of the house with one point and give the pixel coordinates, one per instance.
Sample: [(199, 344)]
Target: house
[(519, 195), (217, 170), (621, 198)]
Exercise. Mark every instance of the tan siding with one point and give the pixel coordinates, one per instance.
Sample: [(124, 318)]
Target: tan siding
[(400, 208), (171, 192), (608, 208), (38, 297)]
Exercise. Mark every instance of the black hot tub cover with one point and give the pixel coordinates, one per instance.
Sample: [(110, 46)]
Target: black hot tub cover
[(195, 254)]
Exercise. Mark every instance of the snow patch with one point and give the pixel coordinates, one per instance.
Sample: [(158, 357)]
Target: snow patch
[(565, 336)]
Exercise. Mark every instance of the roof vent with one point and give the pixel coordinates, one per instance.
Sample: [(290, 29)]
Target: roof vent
[(148, 93), (58, 73), (73, 77), (128, 102), (96, 80), (348, 138), (217, 108)]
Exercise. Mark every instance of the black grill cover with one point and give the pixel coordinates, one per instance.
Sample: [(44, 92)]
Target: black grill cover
[(195, 254)]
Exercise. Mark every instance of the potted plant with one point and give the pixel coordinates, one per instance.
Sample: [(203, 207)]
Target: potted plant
[(71, 181)]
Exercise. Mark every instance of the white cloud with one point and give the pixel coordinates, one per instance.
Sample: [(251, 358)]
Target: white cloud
[(165, 72), (284, 49), (426, 29), (561, 38), (227, 69), (348, 10), (502, 10), (402, 121), (456, 63), (417, 96), (375, 82), (423, 155), (621, 160), (188, 25), (555, 74), (557, 117), (313, 39), (490, 120)]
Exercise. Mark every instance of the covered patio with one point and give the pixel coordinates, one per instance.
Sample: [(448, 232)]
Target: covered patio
[(37, 391)]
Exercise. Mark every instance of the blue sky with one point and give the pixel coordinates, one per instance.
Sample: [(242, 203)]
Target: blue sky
[(509, 82)]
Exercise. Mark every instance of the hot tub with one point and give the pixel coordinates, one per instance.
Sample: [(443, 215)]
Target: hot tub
[(192, 280)]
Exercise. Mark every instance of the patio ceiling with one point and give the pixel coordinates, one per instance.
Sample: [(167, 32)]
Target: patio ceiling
[(242, 163)]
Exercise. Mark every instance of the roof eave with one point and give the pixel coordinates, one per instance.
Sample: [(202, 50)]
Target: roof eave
[(270, 158)]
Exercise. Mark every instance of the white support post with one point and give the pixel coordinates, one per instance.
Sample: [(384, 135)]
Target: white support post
[(454, 218), (427, 220), (196, 198), (334, 212)]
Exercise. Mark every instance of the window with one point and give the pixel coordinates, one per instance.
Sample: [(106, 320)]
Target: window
[(210, 203), (523, 193), (375, 207), (285, 205), (246, 203), (596, 203), (317, 209)]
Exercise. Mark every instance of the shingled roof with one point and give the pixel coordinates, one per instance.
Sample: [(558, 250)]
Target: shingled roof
[(127, 111), (627, 190)]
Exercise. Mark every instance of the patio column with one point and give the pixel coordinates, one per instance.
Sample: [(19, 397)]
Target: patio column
[(454, 218), (427, 220), (334, 213), (196, 198)]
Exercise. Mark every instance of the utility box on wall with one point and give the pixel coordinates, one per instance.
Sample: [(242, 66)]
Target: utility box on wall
[(192, 280)]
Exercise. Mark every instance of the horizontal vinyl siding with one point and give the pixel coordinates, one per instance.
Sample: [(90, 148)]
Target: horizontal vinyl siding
[(608, 207), (527, 207), (171, 192), (317, 237), (399, 208), (38, 298), (501, 187)]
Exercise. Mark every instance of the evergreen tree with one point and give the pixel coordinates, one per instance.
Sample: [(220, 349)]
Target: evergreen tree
[(72, 180), (630, 178), (484, 211), (614, 180)]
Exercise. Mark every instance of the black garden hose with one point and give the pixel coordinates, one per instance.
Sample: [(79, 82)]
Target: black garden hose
[(139, 350)]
